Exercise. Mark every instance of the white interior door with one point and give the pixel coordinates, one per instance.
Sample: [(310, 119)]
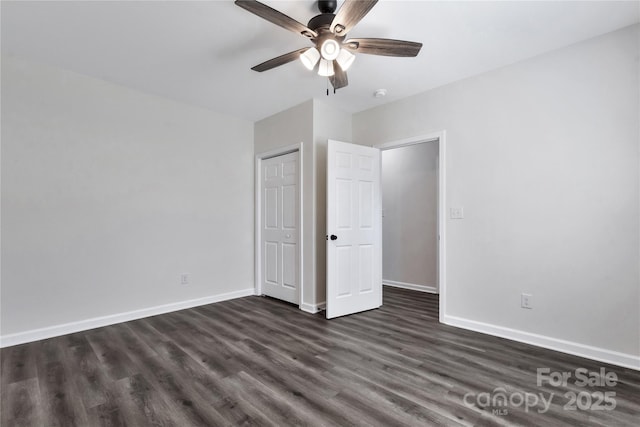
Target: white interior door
[(354, 227), (280, 225)]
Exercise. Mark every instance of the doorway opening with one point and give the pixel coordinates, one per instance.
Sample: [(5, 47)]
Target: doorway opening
[(413, 211)]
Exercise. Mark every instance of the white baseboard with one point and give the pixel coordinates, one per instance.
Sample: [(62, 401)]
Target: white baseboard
[(312, 308), (595, 353), (412, 286), (97, 322)]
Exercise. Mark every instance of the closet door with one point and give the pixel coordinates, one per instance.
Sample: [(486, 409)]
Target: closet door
[(280, 224)]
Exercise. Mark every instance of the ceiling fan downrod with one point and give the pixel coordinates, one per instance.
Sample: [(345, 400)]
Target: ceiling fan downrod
[(327, 6)]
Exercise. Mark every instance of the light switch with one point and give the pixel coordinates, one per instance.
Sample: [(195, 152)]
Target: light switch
[(456, 213)]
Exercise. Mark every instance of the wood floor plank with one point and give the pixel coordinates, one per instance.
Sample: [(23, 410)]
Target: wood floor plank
[(299, 390), (269, 402), (22, 406), (402, 409), (259, 361), (142, 404), (90, 376), (61, 404), (206, 347), (177, 395), (18, 364), (106, 415), (409, 384), (115, 359)]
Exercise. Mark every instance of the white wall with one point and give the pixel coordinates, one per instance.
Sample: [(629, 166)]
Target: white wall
[(108, 195), (410, 222), (544, 157)]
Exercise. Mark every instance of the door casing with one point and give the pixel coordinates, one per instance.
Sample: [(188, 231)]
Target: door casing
[(442, 209)]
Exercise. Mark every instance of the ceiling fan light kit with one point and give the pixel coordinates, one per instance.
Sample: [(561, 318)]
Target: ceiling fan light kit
[(310, 58), (345, 59), (327, 32), (326, 68)]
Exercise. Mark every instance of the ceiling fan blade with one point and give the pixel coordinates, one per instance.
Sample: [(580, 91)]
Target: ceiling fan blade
[(339, 78), (349, 14), (384, 47), (280, 60), (276, 17)]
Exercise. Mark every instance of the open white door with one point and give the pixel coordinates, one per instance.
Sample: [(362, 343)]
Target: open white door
[(354, 229)]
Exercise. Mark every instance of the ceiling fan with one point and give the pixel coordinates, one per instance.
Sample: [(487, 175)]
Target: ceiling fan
[(327, 31)]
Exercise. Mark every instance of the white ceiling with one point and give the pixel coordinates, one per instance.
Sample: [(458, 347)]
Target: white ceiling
[(200, 52)]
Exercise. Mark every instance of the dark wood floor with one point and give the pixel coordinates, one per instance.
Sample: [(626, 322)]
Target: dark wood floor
[(257, 361)]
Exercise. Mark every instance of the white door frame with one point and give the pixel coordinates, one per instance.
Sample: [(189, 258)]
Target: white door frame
[(440, 137), (258, 216)]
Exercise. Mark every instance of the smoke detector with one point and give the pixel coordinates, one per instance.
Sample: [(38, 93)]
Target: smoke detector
[(380, 93)]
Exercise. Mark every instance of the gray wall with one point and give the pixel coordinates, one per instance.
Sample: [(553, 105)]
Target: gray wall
[(410, 222), (544, 157), (108, 195)]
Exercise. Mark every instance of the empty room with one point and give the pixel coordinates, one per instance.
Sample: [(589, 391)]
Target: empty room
[(320, 212)]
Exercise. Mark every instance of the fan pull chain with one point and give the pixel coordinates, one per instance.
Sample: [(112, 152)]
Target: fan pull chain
[(334, 89)]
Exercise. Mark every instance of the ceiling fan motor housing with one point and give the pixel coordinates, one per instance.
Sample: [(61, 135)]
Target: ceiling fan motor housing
[(321, 23)]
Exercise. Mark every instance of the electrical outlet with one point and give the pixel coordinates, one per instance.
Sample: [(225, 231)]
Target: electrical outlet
[(184, 279), (456, 213), (526, 301)]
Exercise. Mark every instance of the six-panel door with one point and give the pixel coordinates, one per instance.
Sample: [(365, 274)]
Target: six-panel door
[(354, 225), (279, 222)]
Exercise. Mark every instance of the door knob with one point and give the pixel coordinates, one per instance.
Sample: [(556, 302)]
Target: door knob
[(334, 237)]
